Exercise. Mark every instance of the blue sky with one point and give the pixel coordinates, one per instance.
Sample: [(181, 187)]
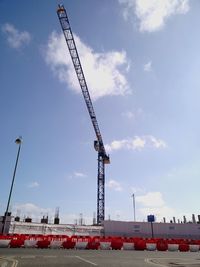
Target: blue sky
[(141, 62)]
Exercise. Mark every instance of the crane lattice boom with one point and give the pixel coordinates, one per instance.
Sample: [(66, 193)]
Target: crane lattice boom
[(103, 158)]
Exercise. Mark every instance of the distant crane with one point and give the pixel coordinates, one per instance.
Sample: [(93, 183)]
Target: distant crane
[(103, 158)]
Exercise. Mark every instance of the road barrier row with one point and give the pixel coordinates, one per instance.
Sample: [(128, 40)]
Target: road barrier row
[(98, 242)]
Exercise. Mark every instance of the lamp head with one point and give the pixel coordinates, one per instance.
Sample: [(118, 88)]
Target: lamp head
[(18, 140)]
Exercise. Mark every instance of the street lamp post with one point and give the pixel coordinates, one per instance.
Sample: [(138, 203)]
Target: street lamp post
[(133, 196), (18, 141)]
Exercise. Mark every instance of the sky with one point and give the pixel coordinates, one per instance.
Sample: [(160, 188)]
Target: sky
[(141, 61)]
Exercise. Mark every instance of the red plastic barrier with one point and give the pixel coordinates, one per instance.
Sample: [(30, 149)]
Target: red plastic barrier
[(93, 245), (69, 244), (183, 247), (136, 239), (140, 244), (43, 243), (16, 243), (116, 244), (162, 245)]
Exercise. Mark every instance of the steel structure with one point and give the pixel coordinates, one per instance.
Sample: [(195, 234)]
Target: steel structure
[(103, 158)]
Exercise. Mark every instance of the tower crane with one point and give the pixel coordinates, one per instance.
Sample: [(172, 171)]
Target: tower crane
[(103, 158)]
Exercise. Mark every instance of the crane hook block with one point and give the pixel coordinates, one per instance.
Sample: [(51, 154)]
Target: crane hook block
[(106, 159)]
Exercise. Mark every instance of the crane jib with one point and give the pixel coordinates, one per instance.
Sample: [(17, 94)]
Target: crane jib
[(103, 158)]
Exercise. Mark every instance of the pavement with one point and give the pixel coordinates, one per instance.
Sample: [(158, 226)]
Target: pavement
[(87, 258)]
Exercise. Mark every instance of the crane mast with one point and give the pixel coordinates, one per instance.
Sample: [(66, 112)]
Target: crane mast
[(103, 158)]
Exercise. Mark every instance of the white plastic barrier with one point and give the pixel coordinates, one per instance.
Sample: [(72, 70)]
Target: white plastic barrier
[(55, 244), (151, 246), (81, 245), (128, 246), (173, 247), (194, 248), (105, 245), (30, 243), (4, 243)]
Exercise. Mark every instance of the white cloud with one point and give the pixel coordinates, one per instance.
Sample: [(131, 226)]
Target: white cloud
[(157, 143), (151, 199), (76, 174), (79, 174), (152, 14), (153, 203), (33, 184), (15, 38), (136, 143), (104, 72), (148, 66), (114, 185)]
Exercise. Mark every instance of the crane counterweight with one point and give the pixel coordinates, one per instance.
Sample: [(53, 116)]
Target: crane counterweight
[(103, 158)]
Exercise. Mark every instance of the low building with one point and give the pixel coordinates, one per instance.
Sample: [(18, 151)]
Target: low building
[(147, 229)]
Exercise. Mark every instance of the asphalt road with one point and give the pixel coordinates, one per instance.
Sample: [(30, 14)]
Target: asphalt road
[(88, 258)]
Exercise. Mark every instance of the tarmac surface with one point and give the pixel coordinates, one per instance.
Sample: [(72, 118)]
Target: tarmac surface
[(87, 258)]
